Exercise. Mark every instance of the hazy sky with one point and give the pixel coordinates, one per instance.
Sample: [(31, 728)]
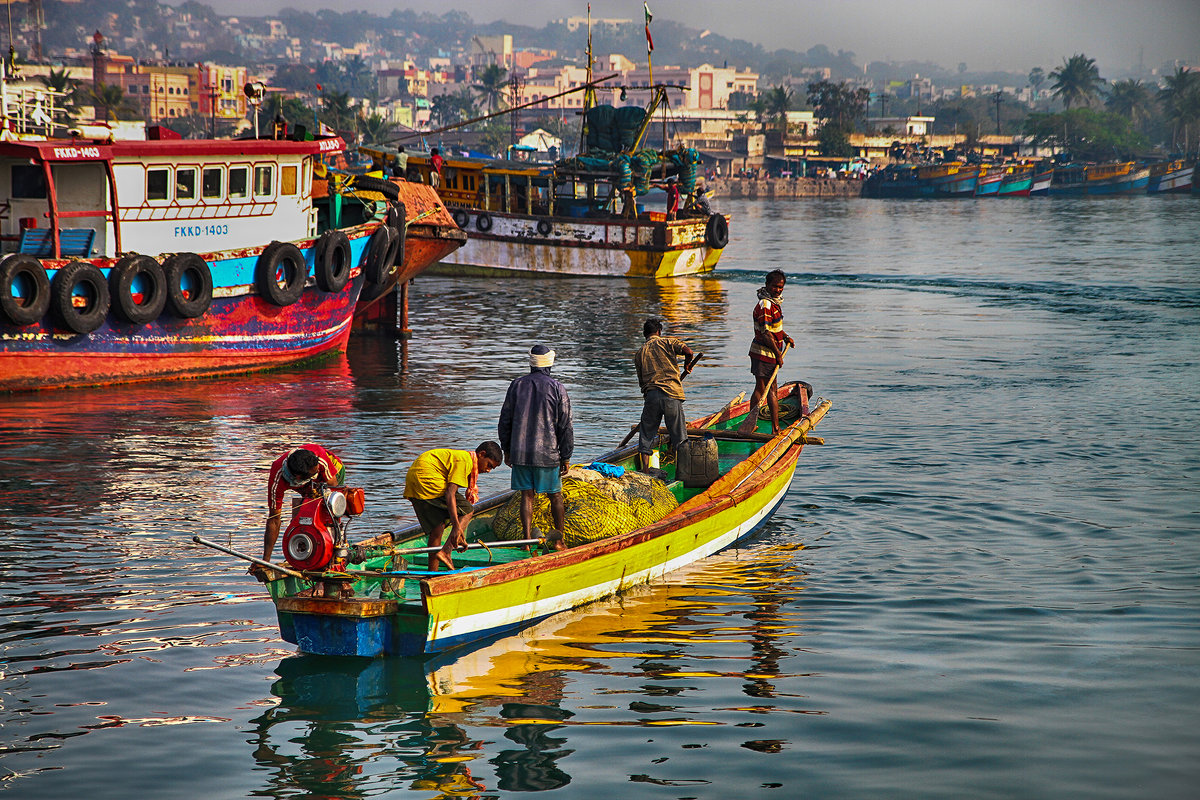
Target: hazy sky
[(985, 34)]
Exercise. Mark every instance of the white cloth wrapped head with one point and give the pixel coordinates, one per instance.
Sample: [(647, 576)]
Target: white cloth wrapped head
[(541, 356)]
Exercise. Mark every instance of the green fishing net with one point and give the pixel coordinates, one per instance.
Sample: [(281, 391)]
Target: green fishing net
[(596, 507)]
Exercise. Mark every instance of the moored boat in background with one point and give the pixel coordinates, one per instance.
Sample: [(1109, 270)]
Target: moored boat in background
[(169, 257), (1017, 182), (989, 180), (1123, 177), (1175, 176), (1039, 184)]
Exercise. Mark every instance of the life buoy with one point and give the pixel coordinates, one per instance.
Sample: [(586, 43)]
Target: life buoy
[(461, 218), (483, 222), (332, 261), (716, 232), (136, 276), (375, 254), (544, 227), (189, 285), (91, 312), (24, 289), (385, 187), (280, 273)]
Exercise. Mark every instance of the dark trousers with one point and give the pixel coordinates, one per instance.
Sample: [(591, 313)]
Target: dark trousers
[(659, 406)]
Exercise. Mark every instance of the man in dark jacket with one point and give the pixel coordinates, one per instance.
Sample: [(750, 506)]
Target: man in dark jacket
[(537, 437)]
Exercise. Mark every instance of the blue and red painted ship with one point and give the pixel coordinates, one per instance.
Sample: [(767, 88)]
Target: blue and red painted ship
[(137, 260)]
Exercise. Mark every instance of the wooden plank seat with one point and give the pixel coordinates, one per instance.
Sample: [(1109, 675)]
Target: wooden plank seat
[(72, 242)]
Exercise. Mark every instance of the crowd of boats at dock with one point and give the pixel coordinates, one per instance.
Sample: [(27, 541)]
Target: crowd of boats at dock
[(957, 179)]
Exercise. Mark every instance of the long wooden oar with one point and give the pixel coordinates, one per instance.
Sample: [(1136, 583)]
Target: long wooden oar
[(683, 374), (406, 551), (751, 420)]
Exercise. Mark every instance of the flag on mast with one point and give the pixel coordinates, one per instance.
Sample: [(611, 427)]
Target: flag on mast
[(649, 40)]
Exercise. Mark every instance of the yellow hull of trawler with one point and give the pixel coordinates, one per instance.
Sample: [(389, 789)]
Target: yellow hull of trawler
[(500, 243)]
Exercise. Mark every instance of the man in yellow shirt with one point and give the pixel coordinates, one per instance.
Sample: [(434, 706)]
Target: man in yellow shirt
[(432, 486)]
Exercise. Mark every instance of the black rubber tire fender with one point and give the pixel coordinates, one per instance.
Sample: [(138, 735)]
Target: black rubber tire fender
[(375, 254), (483, 222), (461, 218), (400, 231), (395, 214), (179, 268), (332, 261), (716, 231), (544, 227), (121, 286), (26, 310), (385, 187), (92, 314), (281, 260)]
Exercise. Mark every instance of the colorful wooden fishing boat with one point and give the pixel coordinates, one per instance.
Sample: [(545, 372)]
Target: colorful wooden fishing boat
[(1171, 177), (1039, 185), (556, 219), (1017, 182), (1069, 179), (948, 180), (386, 607), (128, 260), (894, 180), (1118, 178), (990, 178)]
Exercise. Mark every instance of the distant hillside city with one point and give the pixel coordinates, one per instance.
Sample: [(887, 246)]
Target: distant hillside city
[(408, 77)]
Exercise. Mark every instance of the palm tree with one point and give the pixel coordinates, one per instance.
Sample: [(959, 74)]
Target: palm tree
[(779, 102), (1180, 97), (1130, 99), (377, 129), (1037, 76), (759, 106), (492, 84), (110, 100), (62, 83), (1077, 80), (336, 111)]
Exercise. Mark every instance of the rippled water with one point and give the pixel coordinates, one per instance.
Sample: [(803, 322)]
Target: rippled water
[(984, 585)]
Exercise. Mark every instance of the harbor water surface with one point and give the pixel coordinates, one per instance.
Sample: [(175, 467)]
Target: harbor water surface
[(984, 585)]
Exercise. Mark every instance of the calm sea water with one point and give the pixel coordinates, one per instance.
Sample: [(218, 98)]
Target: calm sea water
[(985, 585)]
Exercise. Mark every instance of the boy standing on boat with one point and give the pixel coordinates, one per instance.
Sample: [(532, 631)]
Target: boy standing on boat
[(300, 470), (432, 485), (766, 351), (662, 387), (538, 437)]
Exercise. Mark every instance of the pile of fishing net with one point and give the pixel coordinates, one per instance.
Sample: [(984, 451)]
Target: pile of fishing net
[(596, 507)]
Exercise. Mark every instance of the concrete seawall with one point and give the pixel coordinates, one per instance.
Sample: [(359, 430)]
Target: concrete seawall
[(783, 188)]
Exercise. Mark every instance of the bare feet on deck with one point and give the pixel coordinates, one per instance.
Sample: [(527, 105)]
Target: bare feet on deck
[(441, 559)]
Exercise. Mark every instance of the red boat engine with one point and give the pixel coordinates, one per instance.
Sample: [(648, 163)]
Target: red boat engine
[(314, 537), (308, 542)]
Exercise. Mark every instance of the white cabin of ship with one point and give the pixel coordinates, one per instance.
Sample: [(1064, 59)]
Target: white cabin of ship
[(160, 197)]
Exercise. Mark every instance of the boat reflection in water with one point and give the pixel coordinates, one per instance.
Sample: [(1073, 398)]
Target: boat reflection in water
[(348, 727)]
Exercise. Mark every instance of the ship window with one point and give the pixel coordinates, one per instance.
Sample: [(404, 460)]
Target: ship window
[(211, 184), (263, 178), (239, 183), (158, 184), (185, 183), (287, 180), (28, 181)]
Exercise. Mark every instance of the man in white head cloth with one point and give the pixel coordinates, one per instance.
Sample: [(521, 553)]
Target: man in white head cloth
[(537, 437)]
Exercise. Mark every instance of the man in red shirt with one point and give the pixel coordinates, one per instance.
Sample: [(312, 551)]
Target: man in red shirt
[(300, 470), (766, 351)]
